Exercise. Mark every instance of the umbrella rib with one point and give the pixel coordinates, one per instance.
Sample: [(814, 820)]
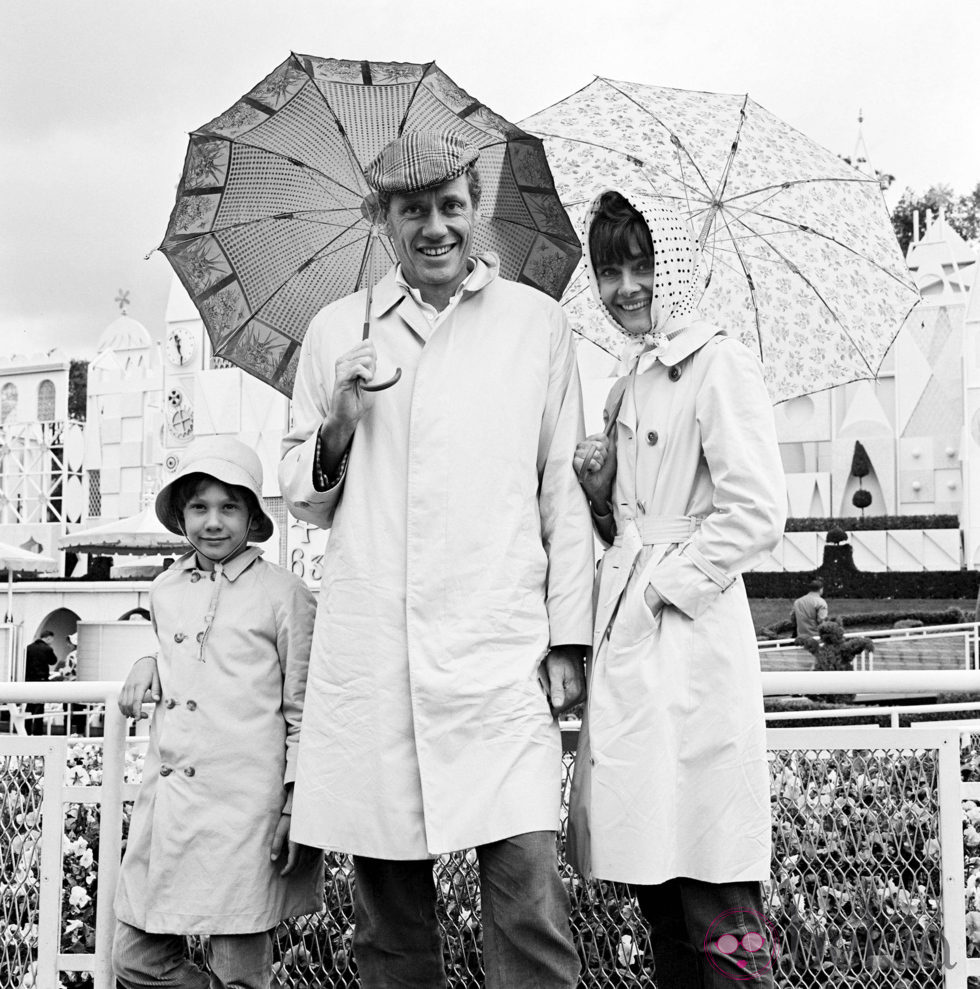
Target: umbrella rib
[(798, 228), (348, 147), (426, 69), (793, 269), (780, 186), (319, 256), (751, 284), (675, 140)]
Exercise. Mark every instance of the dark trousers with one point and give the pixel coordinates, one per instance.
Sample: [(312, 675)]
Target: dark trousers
[(34, 725), (527, 942), (708, 935), (159, 961)]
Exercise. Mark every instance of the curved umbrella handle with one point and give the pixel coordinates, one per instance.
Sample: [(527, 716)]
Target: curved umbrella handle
[(384, 384), (369, 266)]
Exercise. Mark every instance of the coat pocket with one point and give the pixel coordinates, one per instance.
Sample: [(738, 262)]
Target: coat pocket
[(633, 621)]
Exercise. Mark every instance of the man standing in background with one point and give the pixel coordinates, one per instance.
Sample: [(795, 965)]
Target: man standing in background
[(810, 610), (41, 659)]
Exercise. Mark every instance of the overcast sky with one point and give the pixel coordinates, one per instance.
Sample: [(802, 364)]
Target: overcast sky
[(98, 97)]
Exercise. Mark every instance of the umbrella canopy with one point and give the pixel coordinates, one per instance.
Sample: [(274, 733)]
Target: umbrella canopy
[(16, 559), (799, 256), (139, 535), (274, 218)]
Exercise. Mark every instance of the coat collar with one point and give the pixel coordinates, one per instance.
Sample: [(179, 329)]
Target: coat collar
[(684, 338), (233, 570), (388, 293)]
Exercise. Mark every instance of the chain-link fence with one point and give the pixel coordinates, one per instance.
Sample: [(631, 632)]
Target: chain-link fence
[(855, 896)]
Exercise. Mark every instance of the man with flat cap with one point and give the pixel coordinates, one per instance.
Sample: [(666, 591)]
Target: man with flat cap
[(456, 596)]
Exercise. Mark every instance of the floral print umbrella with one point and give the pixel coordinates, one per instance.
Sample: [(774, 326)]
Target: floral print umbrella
[(799, 256), (273, 218)]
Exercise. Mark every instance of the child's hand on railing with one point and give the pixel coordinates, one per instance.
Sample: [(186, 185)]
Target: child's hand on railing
[(141, 686)]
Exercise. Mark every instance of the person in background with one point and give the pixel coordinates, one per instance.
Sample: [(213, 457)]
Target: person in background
[(41, 660), (810, 610)]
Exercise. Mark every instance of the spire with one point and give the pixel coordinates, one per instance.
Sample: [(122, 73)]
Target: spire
[(122, 300), (861, 160)]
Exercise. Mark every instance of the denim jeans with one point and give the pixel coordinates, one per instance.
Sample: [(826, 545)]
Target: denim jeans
[(708, 935), (237, 961), (527, 942)]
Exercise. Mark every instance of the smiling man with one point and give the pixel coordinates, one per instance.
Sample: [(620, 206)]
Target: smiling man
[(456, 584)]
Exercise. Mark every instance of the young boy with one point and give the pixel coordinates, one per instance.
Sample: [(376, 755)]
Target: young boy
[(671, 788), (207, 851)]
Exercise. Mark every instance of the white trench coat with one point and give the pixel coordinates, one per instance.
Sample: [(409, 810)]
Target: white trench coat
[(671, 776), (232, 662), (460, 548)]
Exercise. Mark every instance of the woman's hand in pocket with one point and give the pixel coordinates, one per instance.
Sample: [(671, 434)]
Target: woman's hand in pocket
[(653, 600)]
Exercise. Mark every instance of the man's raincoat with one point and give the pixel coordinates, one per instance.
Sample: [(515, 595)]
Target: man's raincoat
[(671, 776), (460, 549)]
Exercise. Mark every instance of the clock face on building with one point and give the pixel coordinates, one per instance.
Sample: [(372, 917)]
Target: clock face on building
[(181, 346)]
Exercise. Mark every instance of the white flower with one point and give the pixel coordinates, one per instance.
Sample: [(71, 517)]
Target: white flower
[(78, 897), (86, 859)]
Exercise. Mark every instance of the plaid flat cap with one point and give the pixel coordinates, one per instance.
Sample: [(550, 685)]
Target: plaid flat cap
[(420, 160)]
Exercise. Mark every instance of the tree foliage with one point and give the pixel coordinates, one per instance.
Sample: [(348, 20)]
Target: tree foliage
[(77, 390), (860, 462), (962, 212)]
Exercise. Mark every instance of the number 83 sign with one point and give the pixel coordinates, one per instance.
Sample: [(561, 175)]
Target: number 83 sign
[(305, 544)]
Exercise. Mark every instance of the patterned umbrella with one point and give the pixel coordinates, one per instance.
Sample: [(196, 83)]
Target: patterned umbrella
[(274, 220), (800, 259)]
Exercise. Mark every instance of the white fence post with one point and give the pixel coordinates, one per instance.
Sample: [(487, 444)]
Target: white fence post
[(110, 838), (951, 844)]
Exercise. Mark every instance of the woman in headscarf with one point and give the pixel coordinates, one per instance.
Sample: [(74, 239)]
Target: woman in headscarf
[(671, 786)]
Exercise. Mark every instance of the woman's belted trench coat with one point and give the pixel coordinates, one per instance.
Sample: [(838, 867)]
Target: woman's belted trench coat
[(671, 776)]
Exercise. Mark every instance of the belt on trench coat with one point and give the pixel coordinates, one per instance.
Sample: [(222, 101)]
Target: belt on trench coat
[(648, 530), (654, 529)]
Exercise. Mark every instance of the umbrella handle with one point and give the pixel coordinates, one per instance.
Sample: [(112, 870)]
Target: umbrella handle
[(369, 267), (384, 384)]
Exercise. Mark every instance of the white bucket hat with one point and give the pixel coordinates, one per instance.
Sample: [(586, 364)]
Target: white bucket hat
[(228, 460)]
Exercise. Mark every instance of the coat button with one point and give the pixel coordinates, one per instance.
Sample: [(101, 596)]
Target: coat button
[(165, 770), (169, 703), (195, 576), (652, 437), (674, 373), (192, 705), (179, 636), (199, 636), (188, 770)]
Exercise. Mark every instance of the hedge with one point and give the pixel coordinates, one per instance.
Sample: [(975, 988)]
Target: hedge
[(876, 619), (854, 522), (842, 579)]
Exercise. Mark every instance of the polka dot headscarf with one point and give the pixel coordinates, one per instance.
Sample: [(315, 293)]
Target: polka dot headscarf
[(676, 285)]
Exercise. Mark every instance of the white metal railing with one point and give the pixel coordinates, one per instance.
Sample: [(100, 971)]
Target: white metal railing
[(893, 712), (112, 791), (108, 794), (936, 642)]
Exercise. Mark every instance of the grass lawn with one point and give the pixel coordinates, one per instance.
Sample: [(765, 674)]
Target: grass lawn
[(765, 611)]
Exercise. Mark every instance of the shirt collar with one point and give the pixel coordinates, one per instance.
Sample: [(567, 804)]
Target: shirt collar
[(233, 569)]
